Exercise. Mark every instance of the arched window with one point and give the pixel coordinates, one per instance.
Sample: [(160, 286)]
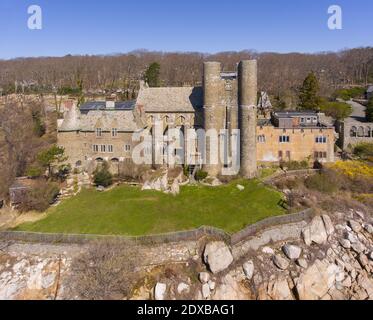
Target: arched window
[(368, 132), (353, 131), (99, 160), (115, 160), (360, 132)]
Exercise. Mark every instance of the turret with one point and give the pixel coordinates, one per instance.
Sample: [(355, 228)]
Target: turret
[(213, 110), (247, 100)]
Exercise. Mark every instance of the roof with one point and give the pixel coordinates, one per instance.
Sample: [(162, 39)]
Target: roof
[(290, 114), (170, 99), (101, 105), (71, 121), (370, 89)]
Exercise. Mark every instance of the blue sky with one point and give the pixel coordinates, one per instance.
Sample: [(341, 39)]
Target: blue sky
[(115, 26)]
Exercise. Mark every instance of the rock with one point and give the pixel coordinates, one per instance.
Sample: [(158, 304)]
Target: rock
[(291, 251), (329, 228), (212, 285), (157, 185), (146, 186), (268, 250), (315, 232), (100, 188), (371, 255), (248, 269), (183, 288), (358, 247), (360, 214), (355, 226), (302, 263), (351, 237), (230, 289), (315, 282), (204, 277), (347, 282), (217, 256), (216, 182), (345, 243), (160, 291), (368, 228), (205, 290), (280, 262), (240, 187), (363, 259), (279, 290), (164, 182), (175, 188), (340, 276)]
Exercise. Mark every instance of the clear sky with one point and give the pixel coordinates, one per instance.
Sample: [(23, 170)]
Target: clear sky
[(116, 26)]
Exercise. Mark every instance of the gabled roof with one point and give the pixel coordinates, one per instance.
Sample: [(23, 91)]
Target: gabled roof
[(170, 99)]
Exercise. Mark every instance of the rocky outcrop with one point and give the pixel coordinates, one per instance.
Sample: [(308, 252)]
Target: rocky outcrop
[(217, 256)]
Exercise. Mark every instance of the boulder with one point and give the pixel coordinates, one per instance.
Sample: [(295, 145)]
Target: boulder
[(302, 263), (183, 288), (175, 188), (368, 228), (315, 282), (345, 243), (279, 290), (240, 187), (315, 232), (217, 256), (230, 289), (355, 226), (164, 182), (329, 228), (204, 277), (358, 247), (216, 182), (371, 255), (160, 291), (351, 237), (291, 251), (205, 290), (363, 259), (146, 186), (212, 284), (268, 250), (280, 262), (248, 269)]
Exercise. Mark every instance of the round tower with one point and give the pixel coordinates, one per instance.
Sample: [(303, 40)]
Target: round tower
[(213, 113), (247, 92)]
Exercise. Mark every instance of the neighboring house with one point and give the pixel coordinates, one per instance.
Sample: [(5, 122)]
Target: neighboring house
[(369, 93), (227, 100), (352, 131)]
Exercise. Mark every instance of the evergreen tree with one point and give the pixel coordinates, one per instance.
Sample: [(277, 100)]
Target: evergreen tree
[(308, 93), (152, 75)]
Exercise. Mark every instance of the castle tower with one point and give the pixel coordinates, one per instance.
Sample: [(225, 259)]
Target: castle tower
[(214, 112), (247, 100)]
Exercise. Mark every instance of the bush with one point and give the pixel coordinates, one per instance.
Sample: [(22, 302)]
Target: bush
[(106, 271), (102, 176), (200, 175), (295, 165), (364, 150), (347, 94), (336, 110), (34, 172), (328, 181), (40, 197)]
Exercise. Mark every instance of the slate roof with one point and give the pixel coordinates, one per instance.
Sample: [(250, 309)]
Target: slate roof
[(289, 114), (171, 99), (101, 105)]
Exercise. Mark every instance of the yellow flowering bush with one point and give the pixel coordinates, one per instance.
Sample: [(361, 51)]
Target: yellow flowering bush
[(353, 169)]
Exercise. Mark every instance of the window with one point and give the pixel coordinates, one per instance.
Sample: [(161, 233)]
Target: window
[(103, 148), (288, 155), (321, 139), (110, 148), (284, 139), (280, 155), (114, 132), (95, 148), (262, 138), (320, 155), (127, 147), (302, 120), (98, 132)]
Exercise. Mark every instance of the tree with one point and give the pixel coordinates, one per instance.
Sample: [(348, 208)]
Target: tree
[(152, 75), (336, 110), (51, 156), (102, 176), (308, 93), (369, 110)]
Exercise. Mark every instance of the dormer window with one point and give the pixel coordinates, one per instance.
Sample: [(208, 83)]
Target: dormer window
[(98, 132)]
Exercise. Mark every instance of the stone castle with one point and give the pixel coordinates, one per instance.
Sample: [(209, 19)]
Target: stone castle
[(226, 102)]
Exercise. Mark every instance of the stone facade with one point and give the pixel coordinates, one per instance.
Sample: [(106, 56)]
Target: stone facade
[(103, 131), (352, 132)]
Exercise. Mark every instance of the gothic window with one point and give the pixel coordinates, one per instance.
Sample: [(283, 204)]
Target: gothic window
[(127, 147), (114, 132), (353, 131), (284, 139), (110, 148), (103, 148), (262, 138), (321, 139), (360, 132), (95, 148)]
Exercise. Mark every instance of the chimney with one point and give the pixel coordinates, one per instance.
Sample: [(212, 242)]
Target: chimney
[(110, 103)]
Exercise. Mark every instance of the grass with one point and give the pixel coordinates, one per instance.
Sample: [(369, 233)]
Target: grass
[(126, 210)]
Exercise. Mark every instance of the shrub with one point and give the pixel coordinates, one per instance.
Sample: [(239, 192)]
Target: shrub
[(40, 197), (327, 181), (364, 150), (102, 176), (34, 172), (200, 175), (337, 110), (295, 165), (107, 270), (347, 94)]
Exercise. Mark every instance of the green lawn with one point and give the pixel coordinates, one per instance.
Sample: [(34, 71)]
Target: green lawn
[(126, 210)]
